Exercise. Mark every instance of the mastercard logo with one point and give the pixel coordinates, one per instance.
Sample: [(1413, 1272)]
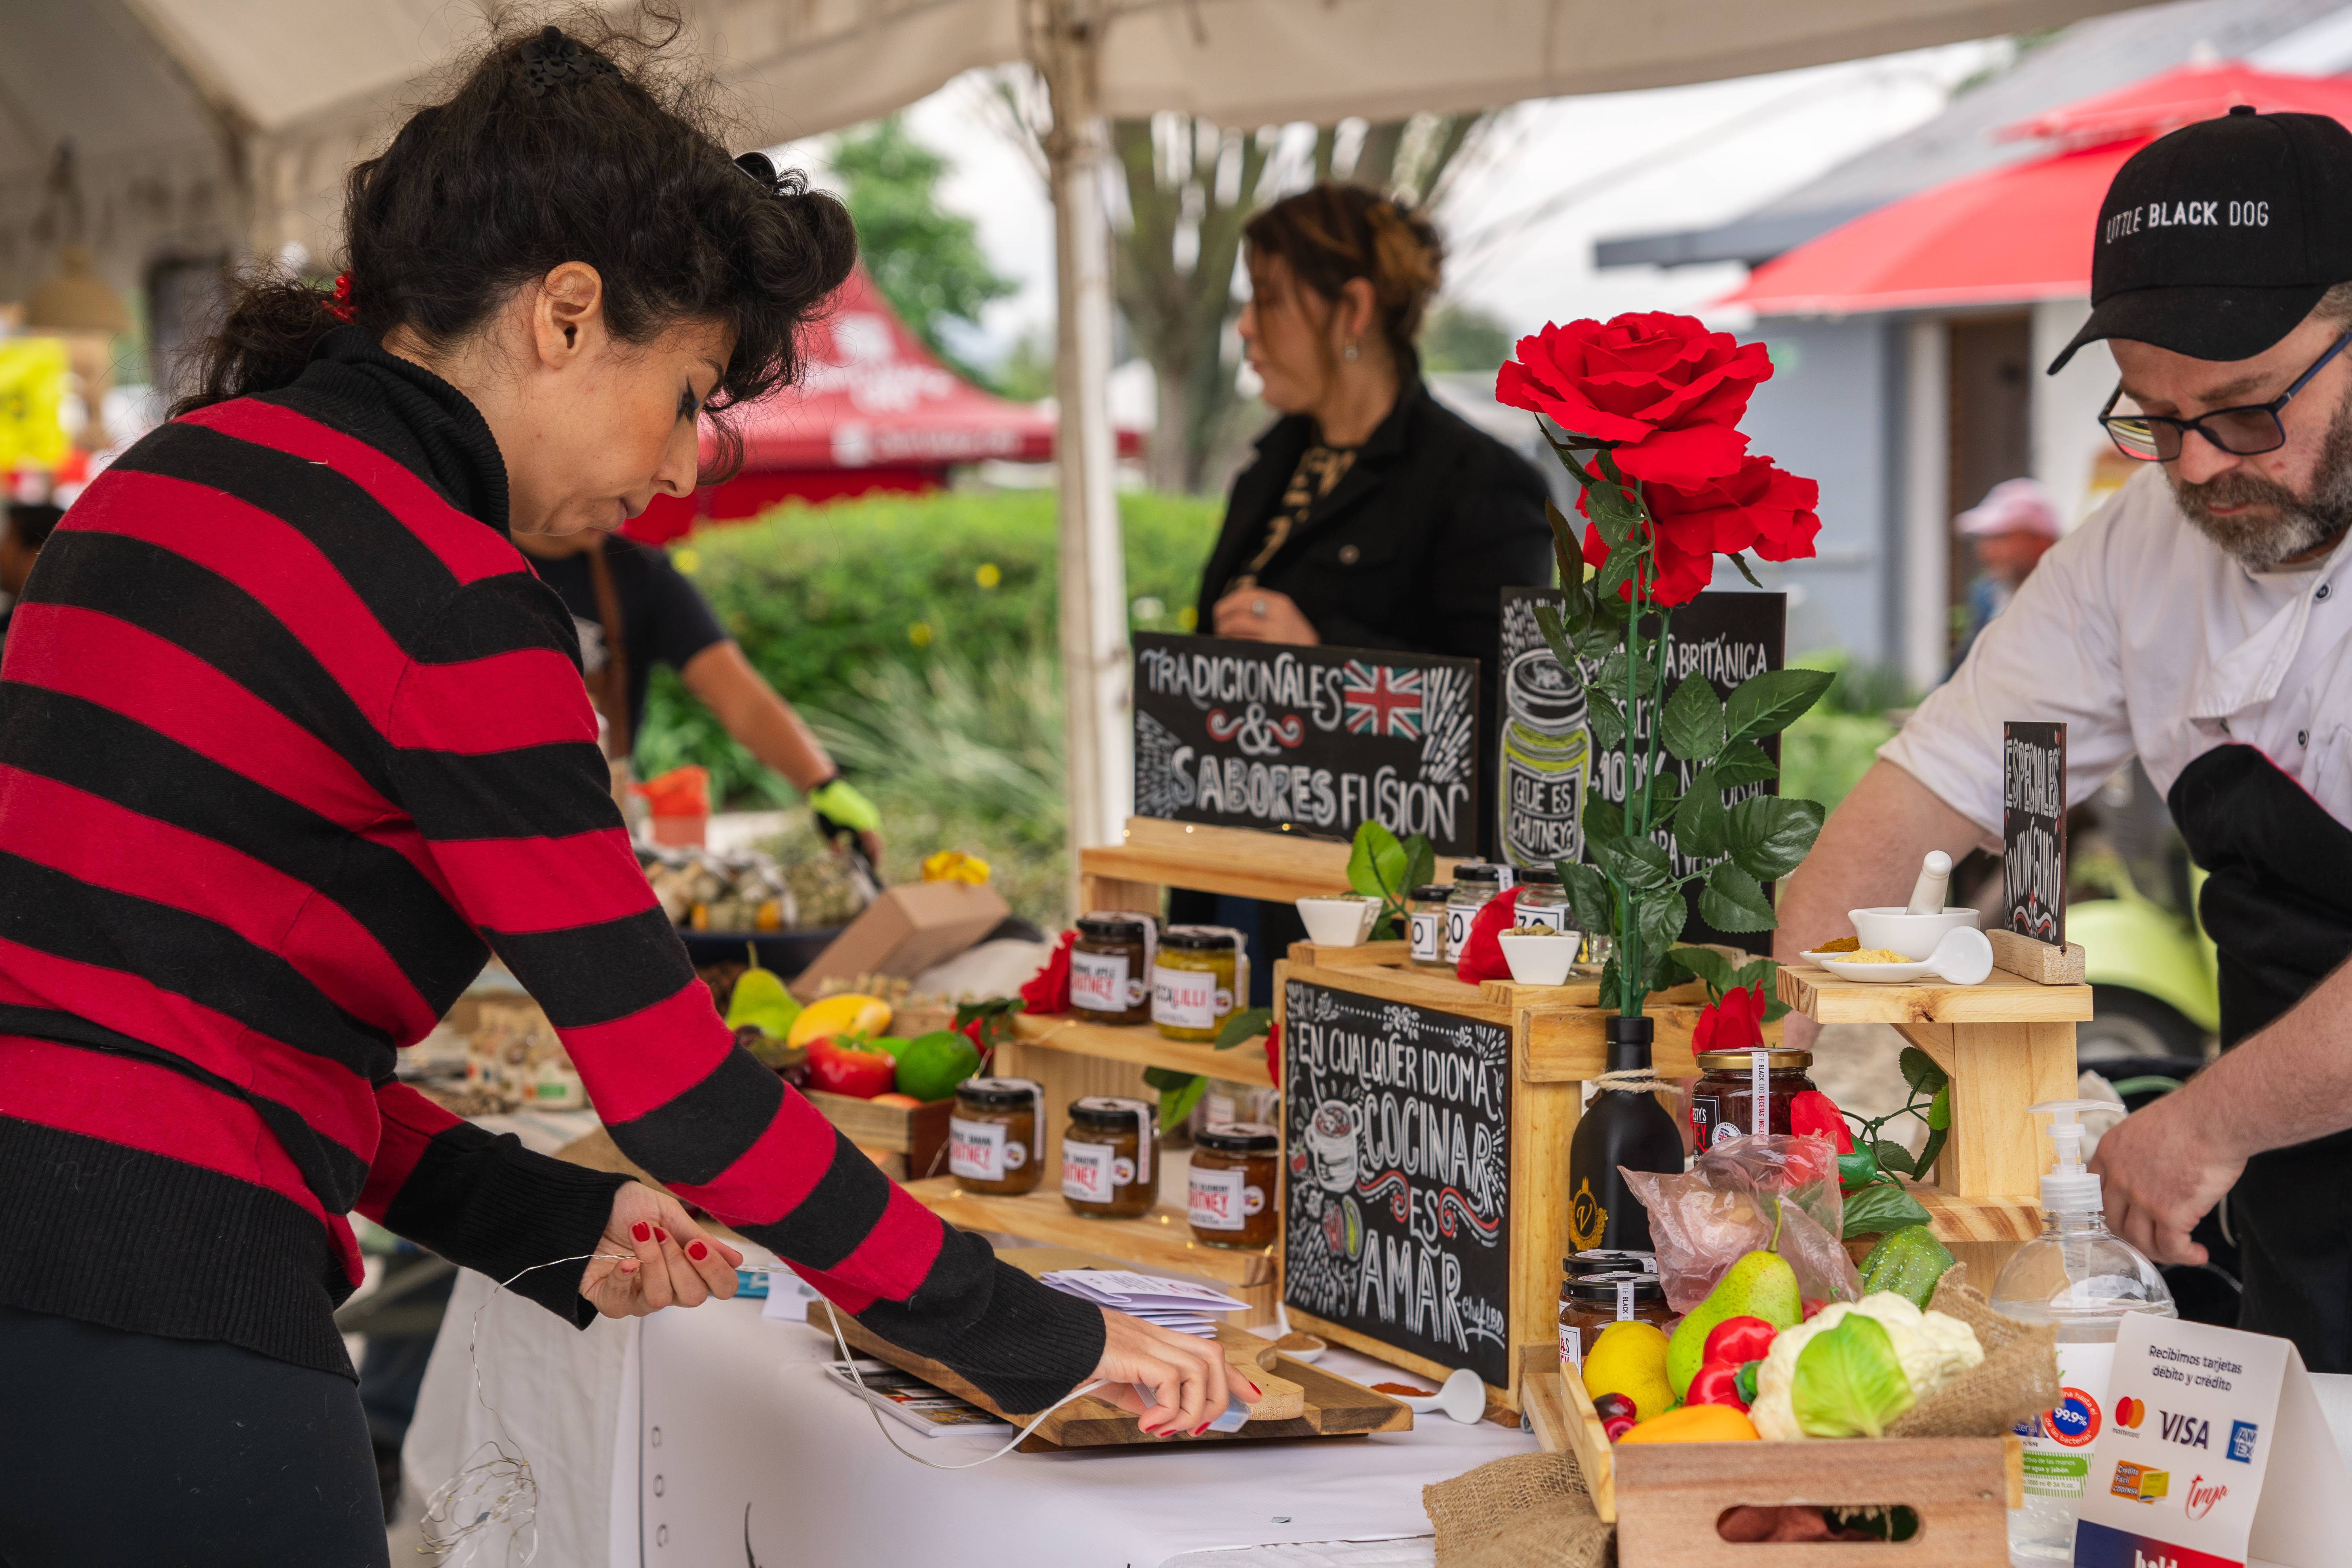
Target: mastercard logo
[(2129, 1413)]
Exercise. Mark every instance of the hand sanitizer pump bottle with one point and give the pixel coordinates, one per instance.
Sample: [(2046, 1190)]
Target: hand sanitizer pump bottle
[(2081, 1277)]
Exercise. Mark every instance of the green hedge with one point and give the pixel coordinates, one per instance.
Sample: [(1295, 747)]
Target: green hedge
[(816, 594)]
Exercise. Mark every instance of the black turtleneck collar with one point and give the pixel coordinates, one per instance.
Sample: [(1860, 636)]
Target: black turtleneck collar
[(406, 410)]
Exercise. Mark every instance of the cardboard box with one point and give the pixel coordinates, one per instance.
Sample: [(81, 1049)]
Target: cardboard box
[(905, 932)]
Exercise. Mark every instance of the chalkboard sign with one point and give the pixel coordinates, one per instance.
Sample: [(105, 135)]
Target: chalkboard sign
[(1396, 1200), (1546, 762), (1251, 734), (2033, 830)]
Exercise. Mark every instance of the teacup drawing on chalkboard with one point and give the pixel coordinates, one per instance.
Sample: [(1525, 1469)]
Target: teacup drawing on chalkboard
[(1331, 1139)]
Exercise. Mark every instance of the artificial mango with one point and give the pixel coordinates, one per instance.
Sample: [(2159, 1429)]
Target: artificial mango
[(847, 1014)]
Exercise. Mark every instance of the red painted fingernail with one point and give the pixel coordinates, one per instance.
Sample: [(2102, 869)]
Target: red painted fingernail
[(660, 1234), (697, 1252), (642, 1231), (1201, 1429)]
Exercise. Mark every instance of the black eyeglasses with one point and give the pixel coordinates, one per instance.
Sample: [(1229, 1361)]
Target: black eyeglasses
[(2241, 432)]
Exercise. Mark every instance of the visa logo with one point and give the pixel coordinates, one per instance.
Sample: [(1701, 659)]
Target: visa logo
[(2185, 1430)]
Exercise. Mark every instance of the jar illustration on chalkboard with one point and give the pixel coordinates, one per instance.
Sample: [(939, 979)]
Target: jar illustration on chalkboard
[(1331, 1139), (1547, 758)]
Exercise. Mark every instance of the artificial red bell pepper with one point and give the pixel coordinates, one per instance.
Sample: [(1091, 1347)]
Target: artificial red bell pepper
[(1737, 1340), (840, 1066), (1717, 1383)]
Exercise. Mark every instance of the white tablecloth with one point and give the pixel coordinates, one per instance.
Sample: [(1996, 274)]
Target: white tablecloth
[(649, 1440)]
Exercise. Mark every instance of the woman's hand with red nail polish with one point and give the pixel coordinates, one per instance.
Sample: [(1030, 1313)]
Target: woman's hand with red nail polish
[(653, 1255), (1189, 1381)]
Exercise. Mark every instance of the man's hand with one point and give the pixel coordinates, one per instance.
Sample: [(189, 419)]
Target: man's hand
[(1261, 615), (1188, 1376), (671, 1259), (2162, 1169)]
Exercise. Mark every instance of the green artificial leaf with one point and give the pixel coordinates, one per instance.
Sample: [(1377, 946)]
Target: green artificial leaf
[(1636, 862), (1555, 637), (1930, 1150), (1176, 1106), (1594, 643), (1702, 827), (1245, 1026), (1940, 1111), (1745, 570), (1670, 969), (1775, 1009), (1376, 864), (1166, 1078), (1768, 702), (1611, 611), (1693, 724), (1770, 836), (1588, 897), (1920, 1072), (1608, 723), (1848, 1380), (1876, 1210), (1420, 862), (1666, 789), (1625, 561), (1894, 1156), (1660, 916), (1563, 532), (1602, 818), (1710, 966), (1610, 676), (1608, 981), (1763, 972), (1858, 1169), (1744, 762), (1733, 901)]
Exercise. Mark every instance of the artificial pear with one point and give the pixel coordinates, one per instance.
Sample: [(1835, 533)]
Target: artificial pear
[(1761, 1285)]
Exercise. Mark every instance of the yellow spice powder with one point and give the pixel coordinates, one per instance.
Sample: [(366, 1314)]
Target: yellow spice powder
[(1875, 955)]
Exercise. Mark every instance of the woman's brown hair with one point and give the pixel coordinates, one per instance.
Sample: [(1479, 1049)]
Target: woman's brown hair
[(1332, 234)]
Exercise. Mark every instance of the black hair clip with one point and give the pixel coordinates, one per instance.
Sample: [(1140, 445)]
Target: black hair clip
[(551, 60), (759, 169)]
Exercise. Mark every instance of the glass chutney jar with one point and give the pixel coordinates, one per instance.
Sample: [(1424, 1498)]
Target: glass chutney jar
[(1723, 1100), (1107, 1169), (1475, 882), (1542, 901), (993, 1136), (1110, 967), (1588, 1303), (1231, 1187), (1192, 982), (1425, 925)]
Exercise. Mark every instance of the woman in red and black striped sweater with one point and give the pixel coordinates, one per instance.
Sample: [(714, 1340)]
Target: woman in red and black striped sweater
[(292, 740)]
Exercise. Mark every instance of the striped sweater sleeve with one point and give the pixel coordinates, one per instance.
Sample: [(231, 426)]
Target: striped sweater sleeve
[(494, 756)]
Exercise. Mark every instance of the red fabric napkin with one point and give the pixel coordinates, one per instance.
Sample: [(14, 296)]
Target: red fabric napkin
[(1482, 951)]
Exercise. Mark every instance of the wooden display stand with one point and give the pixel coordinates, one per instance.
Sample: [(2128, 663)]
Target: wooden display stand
[(2007, 1044), (1072, 1059)]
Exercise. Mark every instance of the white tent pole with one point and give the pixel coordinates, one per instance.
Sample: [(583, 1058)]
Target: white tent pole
[(1066, 45)]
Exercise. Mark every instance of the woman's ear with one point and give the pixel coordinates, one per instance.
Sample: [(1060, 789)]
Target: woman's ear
[(568, 311), (1359, 308)]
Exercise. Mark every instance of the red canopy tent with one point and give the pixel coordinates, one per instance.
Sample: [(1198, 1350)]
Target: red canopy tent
[(873, 411), (2021, 232)]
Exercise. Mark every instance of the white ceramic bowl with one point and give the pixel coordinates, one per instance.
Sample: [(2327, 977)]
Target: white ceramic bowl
[(1913, 936), (1541, 960), (1342, 920)]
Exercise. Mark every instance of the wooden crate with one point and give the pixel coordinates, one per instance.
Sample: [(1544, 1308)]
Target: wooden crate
[(908, 1141), (1665, 1497)]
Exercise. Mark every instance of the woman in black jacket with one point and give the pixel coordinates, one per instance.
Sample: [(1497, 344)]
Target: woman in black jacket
[(1373, 517)]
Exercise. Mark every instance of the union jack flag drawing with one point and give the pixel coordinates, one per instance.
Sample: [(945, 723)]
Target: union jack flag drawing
[(1381, 701)]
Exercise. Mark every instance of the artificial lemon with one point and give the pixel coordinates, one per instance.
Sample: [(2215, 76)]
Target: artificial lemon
[(1630, 1358), (1696, 1424)]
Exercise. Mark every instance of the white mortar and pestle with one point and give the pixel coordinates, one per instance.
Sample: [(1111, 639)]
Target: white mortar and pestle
[(1926, 929)]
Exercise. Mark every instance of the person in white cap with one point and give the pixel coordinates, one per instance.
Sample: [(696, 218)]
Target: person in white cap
[(2012, 527)]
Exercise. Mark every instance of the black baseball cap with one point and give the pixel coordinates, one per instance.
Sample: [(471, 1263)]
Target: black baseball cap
[(2217, 240)]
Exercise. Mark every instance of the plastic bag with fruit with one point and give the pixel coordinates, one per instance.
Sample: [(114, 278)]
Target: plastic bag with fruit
[(1746, 1194)]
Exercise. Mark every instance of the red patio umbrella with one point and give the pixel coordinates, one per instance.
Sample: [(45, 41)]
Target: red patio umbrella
[(2021, 232)]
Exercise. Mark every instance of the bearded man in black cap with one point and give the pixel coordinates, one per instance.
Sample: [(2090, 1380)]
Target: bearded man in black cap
[(2201, 620)]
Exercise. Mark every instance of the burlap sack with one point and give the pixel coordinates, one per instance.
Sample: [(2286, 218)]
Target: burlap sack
[(1530, 1511), (2017, 1380)]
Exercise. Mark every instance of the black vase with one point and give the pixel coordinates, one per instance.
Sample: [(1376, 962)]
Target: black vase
[(1620, 1128)]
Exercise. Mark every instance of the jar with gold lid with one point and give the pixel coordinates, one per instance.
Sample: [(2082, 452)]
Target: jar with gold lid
[(1591, 1302), (1723, 1100)]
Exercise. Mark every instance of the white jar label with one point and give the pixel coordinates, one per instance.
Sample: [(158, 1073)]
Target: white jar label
[(1427, 932), (1216, 1200), (979, 1152), (1188, 998), (1571, 1348), (1089, 1170), (1098, 981), (1759, 1093), (1624, 1301), (1551, 917), (1458, 930)]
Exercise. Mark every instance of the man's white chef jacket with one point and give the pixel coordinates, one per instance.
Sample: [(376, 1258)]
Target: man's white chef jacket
[(2142, 635)]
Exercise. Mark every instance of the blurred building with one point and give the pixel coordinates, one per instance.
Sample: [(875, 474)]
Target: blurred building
[(1908, 413)]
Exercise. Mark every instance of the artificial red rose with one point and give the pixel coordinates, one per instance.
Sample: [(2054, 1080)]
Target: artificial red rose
[(1759, 508), (1734, 1024), (1658, 382), (1815, 1113), (1048, 990)]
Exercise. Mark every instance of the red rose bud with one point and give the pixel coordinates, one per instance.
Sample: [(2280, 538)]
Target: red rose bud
[(1734, 1024), (1814, 1112), (1737, 1340), (1048, 991)]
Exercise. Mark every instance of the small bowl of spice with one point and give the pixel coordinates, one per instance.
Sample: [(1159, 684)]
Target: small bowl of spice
[(1338, 920), (1539, 956)]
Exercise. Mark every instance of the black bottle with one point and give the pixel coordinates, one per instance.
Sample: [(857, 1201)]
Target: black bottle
[(1619, 1128)]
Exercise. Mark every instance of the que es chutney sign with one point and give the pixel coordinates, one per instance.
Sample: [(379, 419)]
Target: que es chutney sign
[(1250, 734), (2033, 830), (1396, 1197)]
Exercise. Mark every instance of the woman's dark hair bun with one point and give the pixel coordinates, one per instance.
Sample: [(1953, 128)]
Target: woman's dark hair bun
[(594, 146), (1333, 233)]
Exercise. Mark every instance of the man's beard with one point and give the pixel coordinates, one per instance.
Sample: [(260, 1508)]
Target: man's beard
[(2295, 523)]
